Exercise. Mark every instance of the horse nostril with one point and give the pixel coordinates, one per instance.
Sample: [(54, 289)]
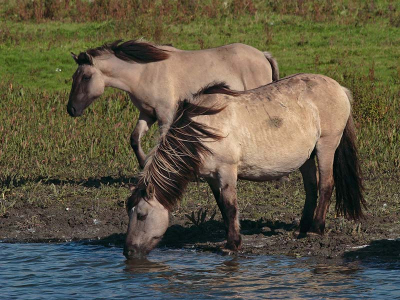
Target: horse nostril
[(127, 253), (131, 251), (71, 110)]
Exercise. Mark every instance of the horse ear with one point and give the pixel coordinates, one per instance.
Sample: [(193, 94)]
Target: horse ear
[(89, 58), (150, 191), (74, 57)]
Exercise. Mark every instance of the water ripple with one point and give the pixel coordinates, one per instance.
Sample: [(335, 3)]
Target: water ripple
[(84, 271)]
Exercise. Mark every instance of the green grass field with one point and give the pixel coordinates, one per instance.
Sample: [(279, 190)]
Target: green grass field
[(46, 156)]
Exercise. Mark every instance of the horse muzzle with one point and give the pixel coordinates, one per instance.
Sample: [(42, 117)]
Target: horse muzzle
[(134, 251), (73, 112)]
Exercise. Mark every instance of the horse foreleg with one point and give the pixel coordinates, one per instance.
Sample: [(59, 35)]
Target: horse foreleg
[(325, 156), (142, 126), (229, 199), (309, 173), (224, 190), (228, 196)]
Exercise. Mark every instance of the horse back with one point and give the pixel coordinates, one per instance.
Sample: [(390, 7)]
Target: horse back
[(272, 130), (240, 66)]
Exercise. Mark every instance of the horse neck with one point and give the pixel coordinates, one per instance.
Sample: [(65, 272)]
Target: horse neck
[(137, 79), (117, 73)]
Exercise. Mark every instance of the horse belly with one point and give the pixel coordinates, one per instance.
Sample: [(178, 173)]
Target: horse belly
[(269, 151), (270, 167)]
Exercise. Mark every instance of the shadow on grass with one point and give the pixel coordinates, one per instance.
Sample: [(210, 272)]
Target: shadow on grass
[(89, 183), (267, 228), (94, 182)]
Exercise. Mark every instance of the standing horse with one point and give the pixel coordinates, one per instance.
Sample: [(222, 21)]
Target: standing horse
[(256, 135), (156, 78)]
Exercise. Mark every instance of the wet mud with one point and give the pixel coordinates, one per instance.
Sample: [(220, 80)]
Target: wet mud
[(376, 235)]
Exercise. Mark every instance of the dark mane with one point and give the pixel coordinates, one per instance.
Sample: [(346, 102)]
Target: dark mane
[(134, 50), (177, 157), (216, 88)]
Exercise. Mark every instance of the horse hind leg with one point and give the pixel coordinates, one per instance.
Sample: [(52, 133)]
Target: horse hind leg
[(326, 148), (309, 173), (214, 185)]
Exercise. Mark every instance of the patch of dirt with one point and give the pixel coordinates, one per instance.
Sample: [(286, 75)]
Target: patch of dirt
[(60, 223), (107, 225)]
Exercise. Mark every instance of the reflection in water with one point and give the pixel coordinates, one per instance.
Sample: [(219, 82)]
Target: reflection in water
[(331, 269), (143, 265), (69, 271), (252, 277)]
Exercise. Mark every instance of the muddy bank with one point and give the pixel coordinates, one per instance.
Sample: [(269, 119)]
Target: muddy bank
[(107, 226)]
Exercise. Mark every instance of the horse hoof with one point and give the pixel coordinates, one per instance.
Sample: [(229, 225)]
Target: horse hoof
[(299, 235), (316, 231), (232, 247), (303, 234), (227, 252)]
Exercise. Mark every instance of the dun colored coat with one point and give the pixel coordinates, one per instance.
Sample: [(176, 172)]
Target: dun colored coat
[(256, 135), (157, 77)]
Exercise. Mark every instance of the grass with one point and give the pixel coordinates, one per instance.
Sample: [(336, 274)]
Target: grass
[(47, 157)]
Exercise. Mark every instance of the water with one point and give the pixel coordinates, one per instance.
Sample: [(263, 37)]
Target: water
[(81, 271)]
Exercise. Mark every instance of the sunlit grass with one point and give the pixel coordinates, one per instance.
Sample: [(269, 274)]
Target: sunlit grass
[(356, 45)]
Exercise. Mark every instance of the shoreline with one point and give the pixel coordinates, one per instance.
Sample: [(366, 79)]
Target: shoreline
[(107, 226)]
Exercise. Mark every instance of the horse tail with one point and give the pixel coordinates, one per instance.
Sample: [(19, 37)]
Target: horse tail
[(348, 94), (347, 173), (274, 65)]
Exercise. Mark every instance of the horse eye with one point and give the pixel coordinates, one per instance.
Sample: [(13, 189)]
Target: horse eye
[(86, 77), (141, 217)]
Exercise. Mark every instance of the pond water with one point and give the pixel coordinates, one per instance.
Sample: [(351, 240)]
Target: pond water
[(86, 271)]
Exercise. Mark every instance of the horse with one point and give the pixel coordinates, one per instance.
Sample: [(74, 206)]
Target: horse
[(156, 77), (257, 135)]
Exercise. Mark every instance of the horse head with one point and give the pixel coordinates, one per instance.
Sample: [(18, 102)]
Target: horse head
[(87, 85), (148, 221)]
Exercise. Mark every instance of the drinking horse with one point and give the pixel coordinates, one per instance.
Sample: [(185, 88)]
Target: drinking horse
[(256, 135), (156, 77)]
